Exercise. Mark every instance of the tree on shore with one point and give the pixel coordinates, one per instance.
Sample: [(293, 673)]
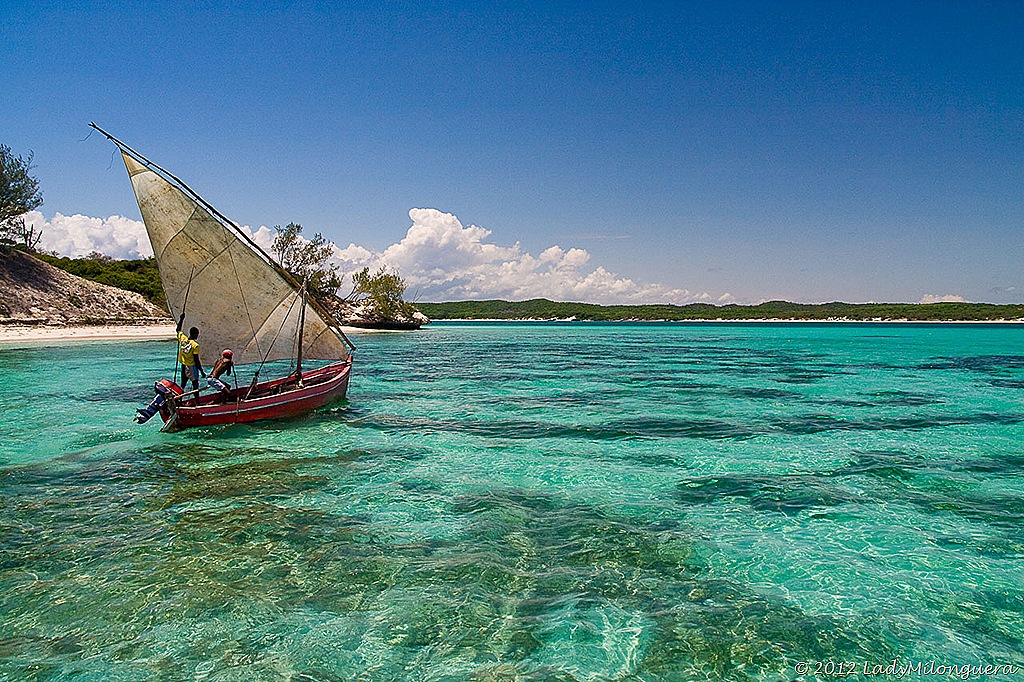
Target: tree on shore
[(19, 194), (384, 291), (306, 259)]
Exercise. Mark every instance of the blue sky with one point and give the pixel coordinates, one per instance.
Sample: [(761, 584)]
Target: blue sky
[(725, 151)]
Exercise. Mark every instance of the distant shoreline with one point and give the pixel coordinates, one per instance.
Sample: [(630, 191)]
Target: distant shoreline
[(768, 312), (725, 321)]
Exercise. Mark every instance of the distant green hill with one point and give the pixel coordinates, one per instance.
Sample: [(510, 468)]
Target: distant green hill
[(544, 309)]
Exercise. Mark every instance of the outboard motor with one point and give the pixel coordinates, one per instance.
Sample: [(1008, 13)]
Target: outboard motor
[(163, 388)]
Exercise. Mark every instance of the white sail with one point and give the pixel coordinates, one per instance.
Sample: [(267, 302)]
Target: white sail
[(235, 296)]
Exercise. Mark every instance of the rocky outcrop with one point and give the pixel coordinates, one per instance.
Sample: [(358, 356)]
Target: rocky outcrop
[(364, 314), (34, 292)]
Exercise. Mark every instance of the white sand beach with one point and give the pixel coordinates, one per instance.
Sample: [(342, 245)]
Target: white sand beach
[(18, 334)]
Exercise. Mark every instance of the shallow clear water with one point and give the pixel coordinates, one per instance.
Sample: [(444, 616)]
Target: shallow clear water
[(526, 501)]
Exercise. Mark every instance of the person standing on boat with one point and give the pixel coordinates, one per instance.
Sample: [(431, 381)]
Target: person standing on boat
[(223, 367), (188, 356)]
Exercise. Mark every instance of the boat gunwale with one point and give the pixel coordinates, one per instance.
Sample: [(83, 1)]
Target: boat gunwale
[(226, 413)]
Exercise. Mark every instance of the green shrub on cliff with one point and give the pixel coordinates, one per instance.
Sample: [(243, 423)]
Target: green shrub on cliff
[(140, 276)]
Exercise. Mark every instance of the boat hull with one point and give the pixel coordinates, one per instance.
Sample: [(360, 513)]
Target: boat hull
[(276, 399)]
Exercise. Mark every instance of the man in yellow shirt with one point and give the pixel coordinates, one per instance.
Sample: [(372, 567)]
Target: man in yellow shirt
[(188, 356)]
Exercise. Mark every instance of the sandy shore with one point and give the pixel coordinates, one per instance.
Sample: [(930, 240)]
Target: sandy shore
[(17, 334)]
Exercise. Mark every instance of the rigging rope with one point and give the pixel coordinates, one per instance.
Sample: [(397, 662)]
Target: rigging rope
[(271, 347), (245, 304)]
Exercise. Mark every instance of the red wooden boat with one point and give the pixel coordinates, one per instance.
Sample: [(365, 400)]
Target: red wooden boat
[(275, 399), (242, 300)]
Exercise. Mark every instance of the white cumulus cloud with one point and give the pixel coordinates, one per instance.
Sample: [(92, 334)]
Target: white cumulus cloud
[(79, 235), (439, 258), (264, 236), (443, 260), (946, 298)]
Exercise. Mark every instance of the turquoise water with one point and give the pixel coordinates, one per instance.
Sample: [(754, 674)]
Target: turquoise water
[(527, 502)]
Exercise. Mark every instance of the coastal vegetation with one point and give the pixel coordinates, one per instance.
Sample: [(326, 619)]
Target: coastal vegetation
[(543, 309), (376, 298), (307, 259), (140, 276), (383, 292), (19, 194)]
